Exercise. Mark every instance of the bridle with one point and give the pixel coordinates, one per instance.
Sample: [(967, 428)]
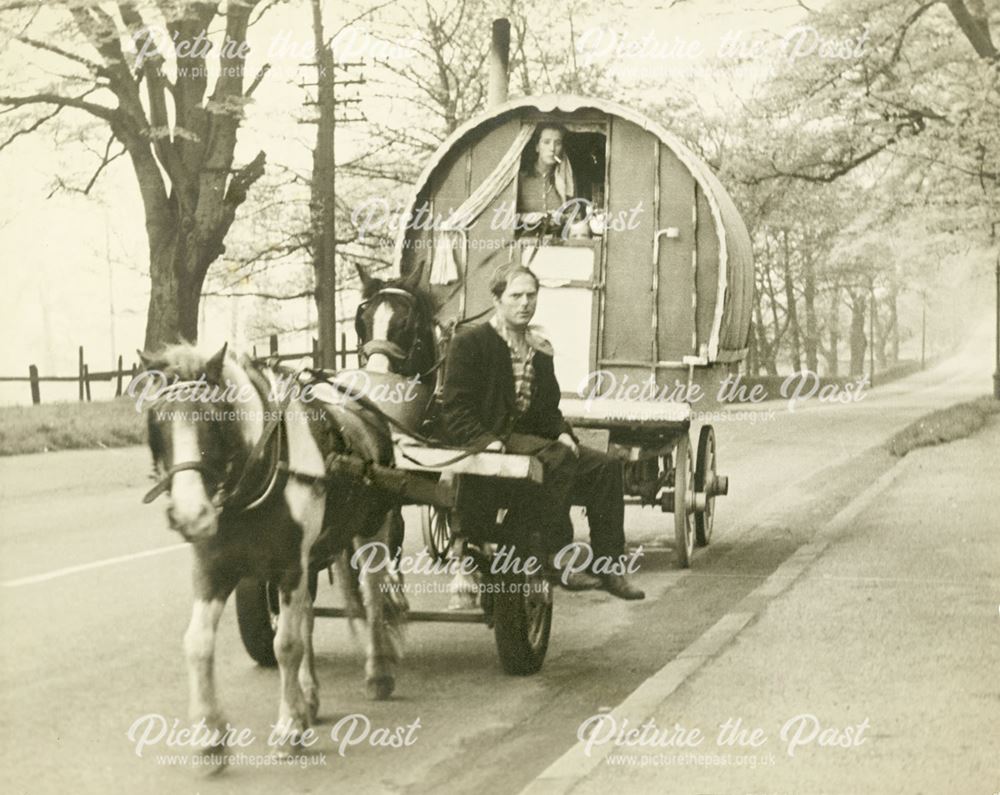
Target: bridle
[(163, 484), (238, 496), (406, 361)]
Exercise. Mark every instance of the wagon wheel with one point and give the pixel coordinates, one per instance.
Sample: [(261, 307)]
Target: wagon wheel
[(436, 525), (522, 616), (705, 471), (257, 608), (683, 498)]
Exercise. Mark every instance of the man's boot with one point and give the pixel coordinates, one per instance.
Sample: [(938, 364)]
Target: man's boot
[(618, 585)]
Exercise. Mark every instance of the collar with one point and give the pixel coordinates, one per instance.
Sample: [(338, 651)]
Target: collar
[(532, 336)]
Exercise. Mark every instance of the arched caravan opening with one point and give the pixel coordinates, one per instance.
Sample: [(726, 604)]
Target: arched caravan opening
[(652, 271)]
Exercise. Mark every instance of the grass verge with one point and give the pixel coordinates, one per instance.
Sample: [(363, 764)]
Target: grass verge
[(945, 425), (70, 426)]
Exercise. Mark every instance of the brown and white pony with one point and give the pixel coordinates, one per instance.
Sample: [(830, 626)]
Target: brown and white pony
[(242, 460)]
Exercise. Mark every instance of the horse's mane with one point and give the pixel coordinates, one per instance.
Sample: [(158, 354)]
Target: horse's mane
[(185, 362), (188, 363), (181, 359)]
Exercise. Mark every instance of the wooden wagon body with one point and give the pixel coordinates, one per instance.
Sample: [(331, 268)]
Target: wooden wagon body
[(666, 286)]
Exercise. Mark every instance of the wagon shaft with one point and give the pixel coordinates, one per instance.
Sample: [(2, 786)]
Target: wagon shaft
[(405, 486)]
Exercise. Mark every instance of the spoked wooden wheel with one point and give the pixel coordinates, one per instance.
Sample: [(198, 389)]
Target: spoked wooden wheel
[(522, 622), (436, 526), (704, 474), (683, 500)]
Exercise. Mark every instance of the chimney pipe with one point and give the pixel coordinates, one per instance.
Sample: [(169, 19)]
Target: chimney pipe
[(499, 62)]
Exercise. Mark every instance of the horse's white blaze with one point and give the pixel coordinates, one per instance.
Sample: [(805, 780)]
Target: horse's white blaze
[(379, 362), (188, 498)]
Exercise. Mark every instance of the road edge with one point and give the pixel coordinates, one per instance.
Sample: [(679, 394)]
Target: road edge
[(572, 767)]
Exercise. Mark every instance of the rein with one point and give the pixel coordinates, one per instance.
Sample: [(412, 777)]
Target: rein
[(320, 375)]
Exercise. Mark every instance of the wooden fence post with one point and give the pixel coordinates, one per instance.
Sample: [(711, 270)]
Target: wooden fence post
[(273, 343), (118, 384), (315, 354), (79, 361), (86, 381), (343, 350), (36, 395)]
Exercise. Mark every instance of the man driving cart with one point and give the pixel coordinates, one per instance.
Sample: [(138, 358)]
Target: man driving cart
[(500, 392)]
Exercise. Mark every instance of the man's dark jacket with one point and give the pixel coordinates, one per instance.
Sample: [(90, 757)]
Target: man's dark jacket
[(478, 402)]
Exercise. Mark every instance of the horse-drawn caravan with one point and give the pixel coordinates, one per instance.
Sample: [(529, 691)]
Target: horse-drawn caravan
[(645, 268), (645, 284)]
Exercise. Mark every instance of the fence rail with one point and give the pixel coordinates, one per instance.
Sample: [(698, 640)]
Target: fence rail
[(84, 376)]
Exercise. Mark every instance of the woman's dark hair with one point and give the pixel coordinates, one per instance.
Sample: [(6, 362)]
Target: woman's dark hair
[(505, 274), (537, 136), (550, 125)]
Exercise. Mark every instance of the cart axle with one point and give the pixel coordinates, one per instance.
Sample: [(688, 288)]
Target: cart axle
[(718, 486), (450, 616)]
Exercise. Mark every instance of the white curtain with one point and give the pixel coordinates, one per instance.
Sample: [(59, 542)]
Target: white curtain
[(451, 232)]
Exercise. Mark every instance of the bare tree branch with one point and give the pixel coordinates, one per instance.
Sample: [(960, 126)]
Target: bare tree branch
[(38, 123), (93, 66), (106, 160), (45, 98)]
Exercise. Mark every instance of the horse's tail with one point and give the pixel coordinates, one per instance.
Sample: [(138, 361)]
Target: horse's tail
[(394, 605), (350, 586), (395, 608)]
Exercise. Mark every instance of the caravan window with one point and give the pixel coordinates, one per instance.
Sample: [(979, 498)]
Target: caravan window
[(561, 180)]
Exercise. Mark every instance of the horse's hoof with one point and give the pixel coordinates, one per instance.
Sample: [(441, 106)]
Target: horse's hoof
[(312, 706), (380, 687)]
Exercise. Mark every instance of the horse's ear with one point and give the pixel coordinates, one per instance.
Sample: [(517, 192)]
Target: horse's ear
[(366, 280), (213, 367), (147, 359), (411, 281)]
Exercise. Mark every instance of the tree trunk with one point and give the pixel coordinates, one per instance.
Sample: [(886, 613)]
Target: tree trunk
[(880, 331), (893, 335), (175, 294), (752, 358), (765, 349), (811, 337), (793, 315), (833, 323), (859, 343)]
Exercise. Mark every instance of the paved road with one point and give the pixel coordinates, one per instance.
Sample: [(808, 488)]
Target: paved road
[(96, 593), (863, 661)]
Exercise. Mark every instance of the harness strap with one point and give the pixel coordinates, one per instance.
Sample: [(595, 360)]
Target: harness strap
[(273, 427), (233, 500), (372, 407), (164, 484)]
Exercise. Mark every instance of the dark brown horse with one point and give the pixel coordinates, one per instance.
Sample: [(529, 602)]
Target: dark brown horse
[(240, 451), (396, 326)]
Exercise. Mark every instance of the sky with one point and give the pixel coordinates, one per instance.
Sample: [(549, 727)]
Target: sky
[(74, 266)]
